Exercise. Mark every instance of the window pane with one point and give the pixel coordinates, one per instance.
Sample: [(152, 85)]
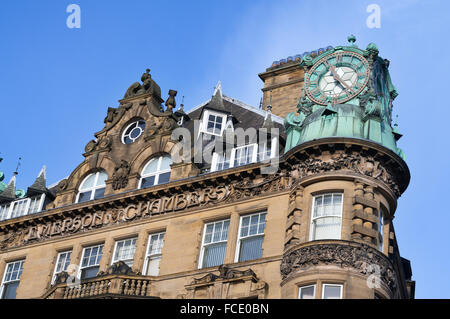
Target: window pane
[(9, 291), (164, 178), (88, 183), (156, 244), (84, 197), (165, 163), (331, 292), (148, 182), (102, 177), (99, 193), (327, 228), (153, 266), (307, 292), (125, 251), (151, 167), (214, 255), (251, 248), (90, 272)]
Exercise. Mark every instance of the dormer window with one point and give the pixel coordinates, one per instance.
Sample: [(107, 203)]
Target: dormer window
[(244, 155), (213, 122), (22, 207), (92, 187)]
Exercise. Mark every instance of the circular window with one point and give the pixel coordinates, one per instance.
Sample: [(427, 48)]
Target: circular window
[(133, 132)]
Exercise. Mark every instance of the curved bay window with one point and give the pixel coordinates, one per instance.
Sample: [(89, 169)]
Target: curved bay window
[(92, 187), (156, 171), (326, 216)]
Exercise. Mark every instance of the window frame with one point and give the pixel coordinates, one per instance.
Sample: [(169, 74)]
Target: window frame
[(8, 208), (307, 286), (158, 171), (215, 158), (341, 286), (3, 284), (202, 250), (381, 227), (57, 263), (81, 267), (6, 211), (113, 260), (149, 255), (122, 138), (239, 238), (205, 120), (93, 188), (313, 219)]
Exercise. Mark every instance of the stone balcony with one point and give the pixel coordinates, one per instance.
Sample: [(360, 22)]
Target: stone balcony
[(118, 282)]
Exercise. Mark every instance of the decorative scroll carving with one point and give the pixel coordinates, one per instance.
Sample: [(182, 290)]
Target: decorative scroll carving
[(224, 273), (118, 268), (147, 86), (248, 187), (245, 283), (90, 146), (114, 114), (120, 175), (62, 185), (365, 165), (229, 273), (361, 258)]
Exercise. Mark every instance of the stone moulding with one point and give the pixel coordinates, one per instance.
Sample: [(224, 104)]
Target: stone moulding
[(66, 223), (349, 154), (362, 258), (224, 274)]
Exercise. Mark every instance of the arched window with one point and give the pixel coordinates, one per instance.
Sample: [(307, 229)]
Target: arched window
[(92, 187), (156, 171)]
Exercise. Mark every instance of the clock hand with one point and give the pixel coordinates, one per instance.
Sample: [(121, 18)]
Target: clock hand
[(339, 79)]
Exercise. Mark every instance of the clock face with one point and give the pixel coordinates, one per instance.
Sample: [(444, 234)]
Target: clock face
[(337, 78)]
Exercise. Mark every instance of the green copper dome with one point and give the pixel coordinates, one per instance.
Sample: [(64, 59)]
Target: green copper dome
[(347, 93)]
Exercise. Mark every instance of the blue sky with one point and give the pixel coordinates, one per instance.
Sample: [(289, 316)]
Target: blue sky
[(56, 83)]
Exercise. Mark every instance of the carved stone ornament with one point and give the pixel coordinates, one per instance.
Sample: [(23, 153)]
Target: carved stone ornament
[(61, 278), (118, 268), (365, 165), (147, 86), (90, 146), (249, 188), (114, 115), (105, 142), (120, 175), (62, 185), (224, 273), (362, 258)]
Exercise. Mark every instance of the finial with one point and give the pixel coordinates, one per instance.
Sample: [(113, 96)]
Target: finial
[(182, 104), (218, 88), (396, 124), (17, 167), (269, 107), (351, 39)]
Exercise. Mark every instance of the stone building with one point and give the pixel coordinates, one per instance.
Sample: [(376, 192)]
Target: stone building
[(292, 200)]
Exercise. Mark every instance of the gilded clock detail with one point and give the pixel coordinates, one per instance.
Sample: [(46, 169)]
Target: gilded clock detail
[(337, 77)]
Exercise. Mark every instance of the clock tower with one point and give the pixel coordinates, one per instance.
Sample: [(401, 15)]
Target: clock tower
[(350, 173)]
